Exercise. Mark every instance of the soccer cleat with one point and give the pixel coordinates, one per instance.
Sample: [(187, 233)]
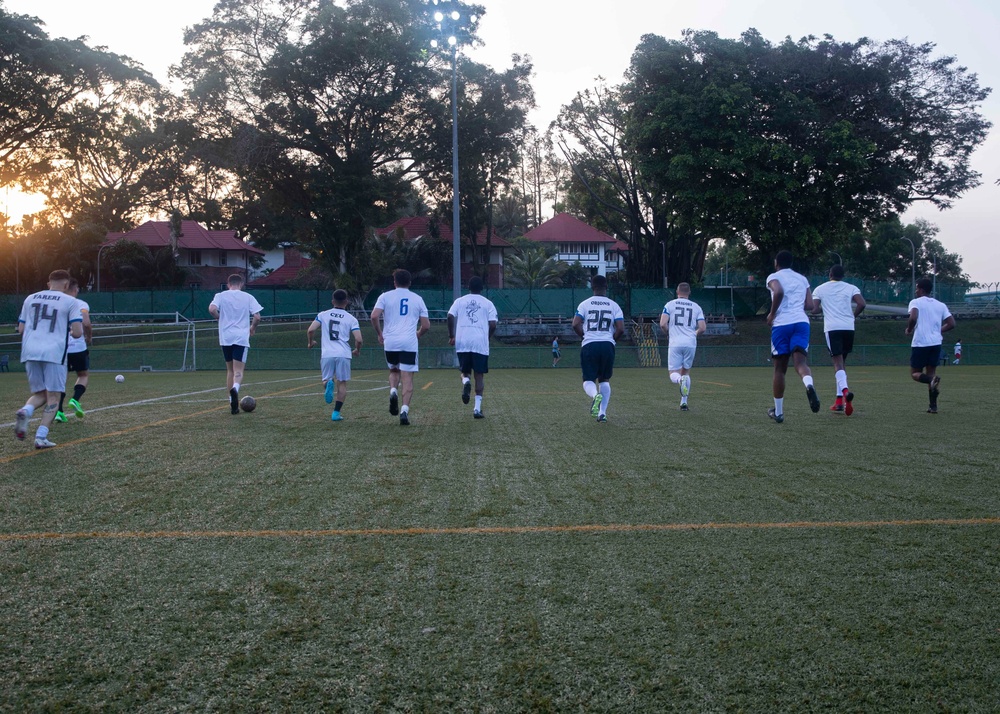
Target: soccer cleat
[(394, 404), (21, 424), (466, 391), (404, 419), (60, 417), (43, 444), (778, 418), (602, 418), (932, 410), (813, 398), (234, 401), (685, 385), (336, 417), (77, 409), (838, 407), (684, 407), (478, 415), (595, 406), (848, 402), (328, 394), (935, 387)]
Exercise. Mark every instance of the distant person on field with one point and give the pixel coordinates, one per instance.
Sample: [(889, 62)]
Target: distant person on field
[(400, 318), (238, 314), (791, 299), (336, 327), (840, 303), (928, 319), (682, 320), (77, 357), (556, 353), (472, 320), (599, 321), (958, 352), (48, 319)]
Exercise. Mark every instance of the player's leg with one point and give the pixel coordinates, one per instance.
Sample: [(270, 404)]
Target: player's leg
[(55, 381), (342, 375), (234, 390), (780, 361), (406, 393), (465, 368), (480, 367), (60, 415), (605, 370), (394, 378), (82, 380), (36, 383), (837, 358), (588, 367), (800, 358)]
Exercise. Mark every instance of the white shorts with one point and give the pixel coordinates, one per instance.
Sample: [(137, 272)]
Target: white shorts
[(338, 368), (680, 357), (46, 376)]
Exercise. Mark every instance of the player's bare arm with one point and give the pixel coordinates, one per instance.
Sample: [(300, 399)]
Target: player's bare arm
[(493, 328), (948, 324), (358, 341), (702, 326), (254, 321), (578, 325), (664, 322), (376, 318), (313, 326), (912, 322), (451, 329), (859, 304), (619, 329), (425, 327), (809, 304), (777, 295), (818, 307), (213, 311)]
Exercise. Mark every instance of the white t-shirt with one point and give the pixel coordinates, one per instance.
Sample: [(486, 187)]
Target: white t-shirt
[(958, 348), (46, 316), (838, 304), (684, 318), (599, 314), (336, 326), (401, 312), (79, 344), (930, 314), (235, 308), (473, 314), (793, 305)]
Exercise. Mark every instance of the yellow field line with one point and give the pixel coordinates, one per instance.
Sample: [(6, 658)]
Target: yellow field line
[(495, 530), (717, 384), (427, 386), (131, 429)]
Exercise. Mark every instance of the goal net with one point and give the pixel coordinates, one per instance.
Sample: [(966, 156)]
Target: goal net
[(143, 341)]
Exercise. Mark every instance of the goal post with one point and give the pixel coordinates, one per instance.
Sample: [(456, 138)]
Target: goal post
[(143, 341)]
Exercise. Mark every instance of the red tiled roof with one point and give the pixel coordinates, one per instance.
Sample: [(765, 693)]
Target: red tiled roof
[(289, 270), (156, 234), (417, 226), (564, 228)]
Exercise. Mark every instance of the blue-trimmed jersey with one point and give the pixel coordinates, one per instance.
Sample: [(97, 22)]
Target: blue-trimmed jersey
[(600, 315)]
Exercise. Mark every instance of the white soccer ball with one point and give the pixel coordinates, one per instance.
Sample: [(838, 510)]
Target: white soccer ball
[(120, 378)]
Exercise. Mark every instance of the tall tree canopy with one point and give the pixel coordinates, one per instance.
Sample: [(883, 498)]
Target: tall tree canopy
[(794, 144)]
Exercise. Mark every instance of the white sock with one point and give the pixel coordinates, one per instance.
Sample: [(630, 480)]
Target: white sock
[(405, 409), (392, 390), (465, 380), (479, 402), (779, 405), (675, 377), (606, 394), (807, 380), (29, 409), (590, 388), (236, 386), (841, 376), (42, 433)]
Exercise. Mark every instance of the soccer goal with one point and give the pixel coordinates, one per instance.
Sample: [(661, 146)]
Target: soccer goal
[(143, 342)]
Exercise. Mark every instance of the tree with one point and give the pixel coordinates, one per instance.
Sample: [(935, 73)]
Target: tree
[(531, 266), (790, 145), (136, 266)]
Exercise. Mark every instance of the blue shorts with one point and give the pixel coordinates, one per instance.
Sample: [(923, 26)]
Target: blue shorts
[(786, 339), (597, 361)]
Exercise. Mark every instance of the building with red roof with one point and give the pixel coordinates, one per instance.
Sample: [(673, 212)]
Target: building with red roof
[(292, 264), (209, 256), (577, 241)]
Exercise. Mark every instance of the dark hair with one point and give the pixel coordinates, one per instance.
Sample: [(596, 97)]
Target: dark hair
[(57, 275), (401, 278), (475, 284), (783, 259), (74, 284), (340, 295), (926, 285), (599, 282), (837, 272), (235, 279)]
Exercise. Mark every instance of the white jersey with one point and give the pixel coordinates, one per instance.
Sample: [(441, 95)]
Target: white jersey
[(401, 312), (46, 317), (79, 344), (336, 326), (793, 305), (235, 308), (599, 314), (837, 298), (473, 314), (930, 314), (684, 318)]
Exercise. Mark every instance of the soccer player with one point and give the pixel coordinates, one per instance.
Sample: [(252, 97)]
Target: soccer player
[(238, 314), (335, 360), (48, 318), (683, 320), (929, 318), (400, 319), (556, 353), (472, 320), (840, 303), (958, 352), (599, 321), (791, 299), (77, 357)]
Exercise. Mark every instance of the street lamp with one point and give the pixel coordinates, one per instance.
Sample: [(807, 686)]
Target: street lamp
[(839, 259), (663, 260), (913, 267), (449, 24)]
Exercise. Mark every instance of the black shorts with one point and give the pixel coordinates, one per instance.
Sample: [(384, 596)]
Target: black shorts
[(236, 353), (470, 362), (78, 361), (597, 360), (921, 357), (840, 342), (398, 357)]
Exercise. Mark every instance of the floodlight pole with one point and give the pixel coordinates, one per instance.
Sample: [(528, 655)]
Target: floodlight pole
[(913, 268), (456, 247)]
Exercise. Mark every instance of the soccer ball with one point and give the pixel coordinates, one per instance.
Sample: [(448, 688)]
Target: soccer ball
[(120, 378), (248, 404)]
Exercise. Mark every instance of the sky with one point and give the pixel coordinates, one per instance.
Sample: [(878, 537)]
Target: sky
[(572, 42)]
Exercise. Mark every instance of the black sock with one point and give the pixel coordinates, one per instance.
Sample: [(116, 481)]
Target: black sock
[(62, 396), (337, 406), (78, 391)]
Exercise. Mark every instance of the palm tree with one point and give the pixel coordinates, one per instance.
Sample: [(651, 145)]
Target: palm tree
[(532, 268)]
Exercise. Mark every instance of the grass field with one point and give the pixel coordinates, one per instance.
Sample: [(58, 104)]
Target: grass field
[(170, 556)]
